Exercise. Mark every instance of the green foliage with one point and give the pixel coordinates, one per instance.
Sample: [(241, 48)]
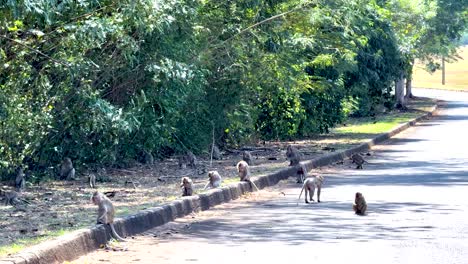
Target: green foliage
[(102, 81)]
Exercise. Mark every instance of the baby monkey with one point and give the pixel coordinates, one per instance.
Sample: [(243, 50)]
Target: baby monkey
[(309, 186), (301, 174), (187, 186), (214, 180), (360, 205), (106, 213)]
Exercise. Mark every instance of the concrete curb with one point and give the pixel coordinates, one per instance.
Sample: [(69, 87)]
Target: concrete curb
[(81, 242)]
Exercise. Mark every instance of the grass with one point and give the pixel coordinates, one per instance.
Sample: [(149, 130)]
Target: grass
[(359, 130), (22, 243), (456, 74)]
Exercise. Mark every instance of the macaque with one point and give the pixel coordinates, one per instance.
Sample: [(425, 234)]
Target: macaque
[(358, 159), (67, 172), (147, 158), (11, 197), (360, 205), (92, 180), (188, 159), (247, 157), (216, 153), (187, 186), (301, 174), (293, 155), (106, 213), (214, 180), (192, 160), (309, 186), (244, 172), (19, 180)]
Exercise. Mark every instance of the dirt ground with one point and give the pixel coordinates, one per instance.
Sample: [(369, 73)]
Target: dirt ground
[(52, 208)]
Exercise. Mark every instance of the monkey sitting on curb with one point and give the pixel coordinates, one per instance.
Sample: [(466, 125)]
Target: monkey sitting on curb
[(106, 213), (244, 173), (187, 186), (214, 180)]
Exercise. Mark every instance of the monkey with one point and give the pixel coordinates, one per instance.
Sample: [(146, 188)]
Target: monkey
[(67, 172), (293, 155), (187, 185), (182, 161), (301, 174), (247, 157), (188, 159), (11, 197), (358, 159), (106, 213), (309, 186), (214, 180), (244, 172), (192, 160), (147, 158), (92, 180), (216, 153), (360, 205), (19, 180)]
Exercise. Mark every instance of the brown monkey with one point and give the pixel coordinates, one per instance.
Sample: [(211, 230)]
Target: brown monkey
[(106, 213), (19, 180), (309, 186), (11, 197), (301, 174), (192, 160), (358, 159), (182, 162), (244, 172), (67, 172), (214, 180), (187, 186), (293, 155), (92, 180), (360, 205), (216, 153), (147, 158), (247, 157), (188, 159)]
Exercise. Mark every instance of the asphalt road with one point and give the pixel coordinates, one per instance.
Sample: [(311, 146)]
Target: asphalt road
[(415, 187)]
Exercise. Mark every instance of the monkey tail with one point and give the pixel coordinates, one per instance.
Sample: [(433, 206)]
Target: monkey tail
[(115, 235), (303, 187), (254, 186)]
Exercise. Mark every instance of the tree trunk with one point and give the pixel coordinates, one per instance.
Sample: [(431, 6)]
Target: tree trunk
[(409, 84), (400, 93), (409, 80), (443, 70)]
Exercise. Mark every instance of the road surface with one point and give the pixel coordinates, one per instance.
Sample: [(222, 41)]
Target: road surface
[(417, 194)]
